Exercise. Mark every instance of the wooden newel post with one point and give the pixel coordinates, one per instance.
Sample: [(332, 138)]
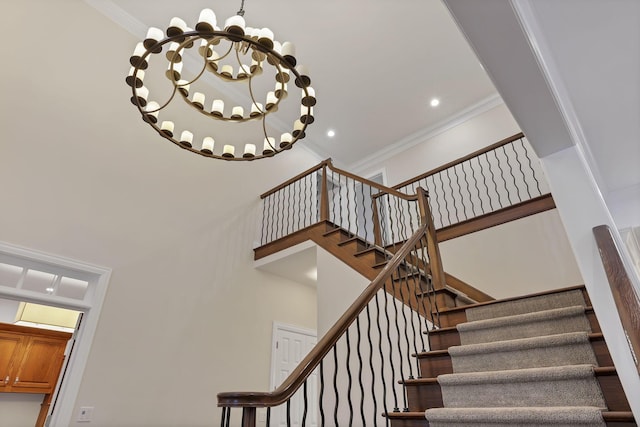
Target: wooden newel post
[(324, 195), (433, 250)]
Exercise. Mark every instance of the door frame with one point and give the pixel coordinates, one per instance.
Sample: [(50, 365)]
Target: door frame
[(279, 326), (91, 306)]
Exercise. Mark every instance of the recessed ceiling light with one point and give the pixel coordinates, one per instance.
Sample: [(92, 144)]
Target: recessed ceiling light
[(435, 102), (331, 133)]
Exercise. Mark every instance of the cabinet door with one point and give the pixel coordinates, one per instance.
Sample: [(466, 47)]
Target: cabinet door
[(39, 366), (10, 350)]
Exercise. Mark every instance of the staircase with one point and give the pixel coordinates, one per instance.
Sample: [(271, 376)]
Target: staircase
[(368, 260), (529, 361), (536, 360)]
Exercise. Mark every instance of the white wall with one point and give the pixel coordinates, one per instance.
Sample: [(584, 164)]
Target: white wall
[(475, 133), (536, 249), (582, 207), (520, 257)]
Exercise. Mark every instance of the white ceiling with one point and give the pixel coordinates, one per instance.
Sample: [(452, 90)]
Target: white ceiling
[(370, 62)]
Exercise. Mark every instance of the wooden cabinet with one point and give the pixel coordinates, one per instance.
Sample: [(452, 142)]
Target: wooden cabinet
[(30, 361)]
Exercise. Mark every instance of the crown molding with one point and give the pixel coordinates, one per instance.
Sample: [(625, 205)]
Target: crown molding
[(427, 133)]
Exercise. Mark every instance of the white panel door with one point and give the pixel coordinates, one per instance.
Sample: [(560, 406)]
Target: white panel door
[(291, 345)]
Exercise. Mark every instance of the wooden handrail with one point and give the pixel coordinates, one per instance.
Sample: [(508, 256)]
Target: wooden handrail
[(296, 178), (297, 377), (461, 159), (380, 187), (329, 164), (624, 294)]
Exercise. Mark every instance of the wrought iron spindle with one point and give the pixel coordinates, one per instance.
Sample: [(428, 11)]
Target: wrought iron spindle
[(533, 172), (524, 178), (289, 413), (475, 184), (504, 180), (401, 282), (360, 365), (462, 196), (335, 383), (349, 379), (396, 407), (399, 343), (305, 403), (321, 394), (373, 375), (382, 366), (268, 422), (513, 177), (417, 284)]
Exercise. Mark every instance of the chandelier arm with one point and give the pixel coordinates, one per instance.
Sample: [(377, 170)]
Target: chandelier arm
[(278, 61)]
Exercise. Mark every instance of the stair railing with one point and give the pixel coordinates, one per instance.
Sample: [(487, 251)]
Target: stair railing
[(356, 371), (495, 178), (367, 210), (624, 294)]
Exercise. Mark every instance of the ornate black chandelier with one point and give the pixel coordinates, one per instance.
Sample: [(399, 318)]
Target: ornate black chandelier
[(235, 54)]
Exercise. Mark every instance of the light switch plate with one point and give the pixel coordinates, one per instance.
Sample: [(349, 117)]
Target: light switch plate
[(84, 416)]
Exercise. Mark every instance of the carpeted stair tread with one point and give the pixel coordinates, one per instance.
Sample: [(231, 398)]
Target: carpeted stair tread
[(536, 352), (530, 417), (526, 305), (552, 386), (546, 322)]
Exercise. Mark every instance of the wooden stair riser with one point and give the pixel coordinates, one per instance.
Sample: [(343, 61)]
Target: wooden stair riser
[(455, 315), (417, 419), (425, 393), (437, 363), (445, 337)]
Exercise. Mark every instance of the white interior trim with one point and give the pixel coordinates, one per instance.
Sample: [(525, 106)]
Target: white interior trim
[(279, 326), (91, 306), (425, 134)]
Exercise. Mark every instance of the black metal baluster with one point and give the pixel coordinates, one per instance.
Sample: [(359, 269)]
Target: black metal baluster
[(365, 234), (360, 383), (264, 221), (462, 196), (433, 190), (493, 178), (396, 407), (270, 197), (279, 212), (373, 375), (228, 419), (335, 383), (400, 353), (475, 183), (305, 197), (452, 197), (383, 220), (268, 422), (321, 394), (533, 172), (504, 152), (304, 411), (349, 379), (382, 366), (348, 187), (299, 205), (484, 182), (513, 176), (524, 177), (401, 281), (503, 179), (417, 284), (223, 416), (290, 211), (335, 205)]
